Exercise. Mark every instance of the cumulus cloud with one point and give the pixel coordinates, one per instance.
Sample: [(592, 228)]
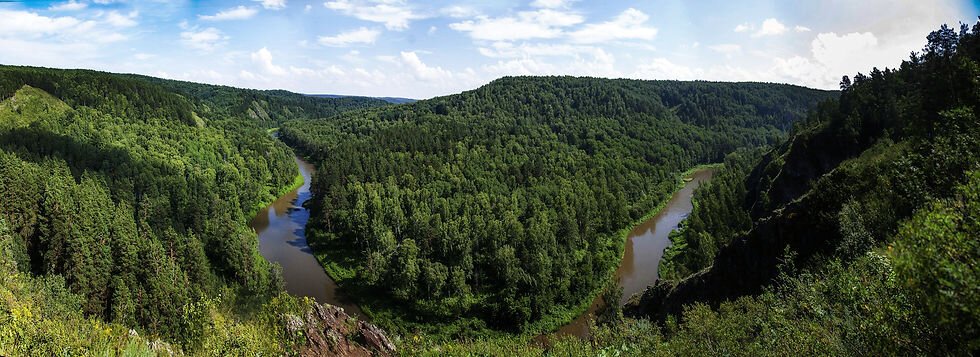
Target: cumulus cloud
[(205, 40), (362, 35), (770, 27), (238, 13), (35, 39), (663, 68), (32, 24), (833, 56), (544, 23), (114, 18), (263, 58), (421, 70), (394, 14), (628, 25)]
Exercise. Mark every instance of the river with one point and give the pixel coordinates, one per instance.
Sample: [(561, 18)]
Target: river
[(644, 247), (282, 239)]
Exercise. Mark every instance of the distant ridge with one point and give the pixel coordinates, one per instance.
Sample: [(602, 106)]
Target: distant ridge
[(392, 100)]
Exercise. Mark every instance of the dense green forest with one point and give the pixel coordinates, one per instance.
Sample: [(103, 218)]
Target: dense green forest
[(856, 236), (502, 207), (879, 189), (125, 200), (134, 193)]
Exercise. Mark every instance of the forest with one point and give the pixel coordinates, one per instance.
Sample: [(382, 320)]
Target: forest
[(136, 193), (501, 208), (841, 223), (857, 235)]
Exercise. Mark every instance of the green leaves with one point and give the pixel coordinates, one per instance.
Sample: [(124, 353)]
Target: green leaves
[(937, 256)]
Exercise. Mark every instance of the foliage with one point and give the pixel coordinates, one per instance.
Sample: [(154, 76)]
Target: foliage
[(938, 254), (718, 216), (875, 197), (135, 193), (503, 203)]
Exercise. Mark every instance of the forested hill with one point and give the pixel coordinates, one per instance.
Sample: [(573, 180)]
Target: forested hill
[(860, 233), (271, 107), (126, 198), (143, 96), (501, 207), (392, 100)]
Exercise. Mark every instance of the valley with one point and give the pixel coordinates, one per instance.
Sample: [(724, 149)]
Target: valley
[(529, 216)]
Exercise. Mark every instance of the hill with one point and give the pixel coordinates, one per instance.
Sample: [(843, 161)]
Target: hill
[(501, 208), (392, 100), (125, 203), (860, 228)]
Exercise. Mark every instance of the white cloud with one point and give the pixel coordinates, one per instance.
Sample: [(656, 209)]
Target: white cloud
[(22, 25), (263, 58), (543, 23), (743, 27), (273, 4), (459, 11), (238, 13), (71, 5), (628, 25), (34, 39), (362, 35), (114, 18), (664, 69), (550, 4), (833, 56), (307, 9), (799, 28), (32, 24), (394, 14), (143, 56), (585, 61), (423, 71), (204, 40), (770, 27)]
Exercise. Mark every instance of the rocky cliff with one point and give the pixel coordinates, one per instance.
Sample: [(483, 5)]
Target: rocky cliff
[(326, 330)]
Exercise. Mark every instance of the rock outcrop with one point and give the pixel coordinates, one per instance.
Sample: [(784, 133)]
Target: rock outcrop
[(326, 330)]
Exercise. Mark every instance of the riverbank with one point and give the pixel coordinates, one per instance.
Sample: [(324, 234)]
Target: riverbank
[(281, 230), (339, 263), (270, 199), (592, 305)]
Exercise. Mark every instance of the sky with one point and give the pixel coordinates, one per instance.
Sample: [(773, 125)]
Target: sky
[(421, 49)]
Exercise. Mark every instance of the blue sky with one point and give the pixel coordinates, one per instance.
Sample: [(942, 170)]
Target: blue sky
[(420, 49)]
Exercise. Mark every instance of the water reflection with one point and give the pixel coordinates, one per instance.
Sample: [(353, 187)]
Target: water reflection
[(643, 249), (282, 239)]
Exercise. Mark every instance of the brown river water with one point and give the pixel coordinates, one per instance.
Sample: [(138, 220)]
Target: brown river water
[(644, 247), (282, 239)]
